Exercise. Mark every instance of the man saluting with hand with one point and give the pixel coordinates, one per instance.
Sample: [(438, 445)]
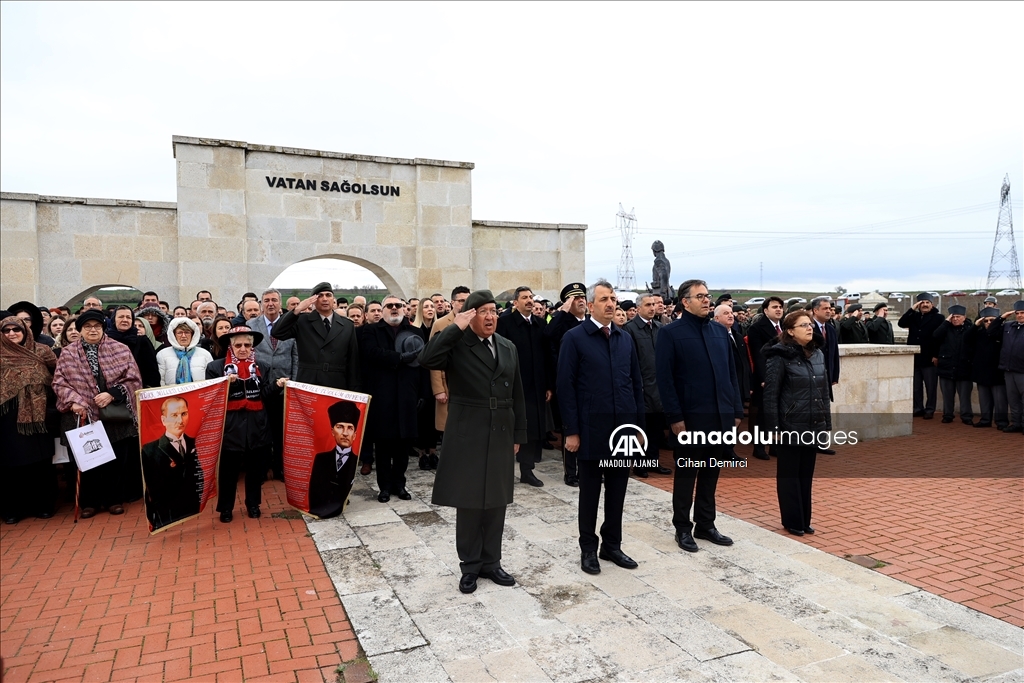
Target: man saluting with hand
[(486, 423)]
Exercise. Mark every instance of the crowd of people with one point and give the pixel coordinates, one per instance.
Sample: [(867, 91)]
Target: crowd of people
[(581, 364)]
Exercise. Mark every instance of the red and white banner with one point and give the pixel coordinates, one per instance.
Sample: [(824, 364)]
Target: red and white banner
[(181, 428), (323, 436)]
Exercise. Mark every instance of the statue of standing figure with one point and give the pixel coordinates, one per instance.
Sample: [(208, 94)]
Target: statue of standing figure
[(661, 273)]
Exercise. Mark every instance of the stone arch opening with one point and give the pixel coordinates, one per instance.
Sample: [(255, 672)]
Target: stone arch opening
[(387, 279), (110, 293)]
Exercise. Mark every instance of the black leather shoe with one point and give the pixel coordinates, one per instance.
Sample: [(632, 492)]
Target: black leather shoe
[(685, 541), (637, 472), (254, 512), (87, 513), (712, 535), (982, 424), (1011, 429), (403, 494), (760, 454), (928, 416), (467, 584), (618, 557), (44, 515), (383, 497), (574, 482), (827, 451), (10, 520), (226, 517), (499, 576), (663, 470), (531, 479), (589, 563), (795, 532), (809, 530), (946, 420), (424, 462), (969, 423)]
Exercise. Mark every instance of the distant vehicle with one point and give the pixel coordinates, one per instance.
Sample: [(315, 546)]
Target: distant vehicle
[(899, 296), (795, 300), (934, 293), (980, 292), (851, 296), (1008, 292), (955, 292), (754, 301)]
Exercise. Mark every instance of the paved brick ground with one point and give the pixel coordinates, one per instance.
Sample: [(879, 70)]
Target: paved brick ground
[(958, 533), (101, 600)]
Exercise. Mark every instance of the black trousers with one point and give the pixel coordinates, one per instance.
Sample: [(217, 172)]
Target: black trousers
[(105, 485), (232, 463), (993, 404), (926, 381), (275, 418), (478, 538), (28, 490), (366, 457), (793, 480), (950, 389), (687, 479), (528, 455), (655, 430), (392, 462), (615, 481)]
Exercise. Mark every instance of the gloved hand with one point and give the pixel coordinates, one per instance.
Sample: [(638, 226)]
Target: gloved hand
[(409, 356)]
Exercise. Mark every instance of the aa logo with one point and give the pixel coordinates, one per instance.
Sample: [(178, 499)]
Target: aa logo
[(628, 445)]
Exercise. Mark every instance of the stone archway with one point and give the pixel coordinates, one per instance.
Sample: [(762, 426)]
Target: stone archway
[(390, 281), (91, 291)]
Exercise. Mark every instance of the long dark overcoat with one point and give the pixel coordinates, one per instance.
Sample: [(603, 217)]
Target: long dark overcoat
[(326, 359), (394, 385), (535, 367), (486, 417)]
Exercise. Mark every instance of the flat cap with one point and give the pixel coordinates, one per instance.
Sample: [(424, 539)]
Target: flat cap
[(989, 312), (879, 306), (1018, 305), (322, 287), (853, 307), (480, 297), (924, 296), (573, 289), (958, 310)]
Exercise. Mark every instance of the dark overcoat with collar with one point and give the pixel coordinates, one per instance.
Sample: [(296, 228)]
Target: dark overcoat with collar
[(697, 375), (535, 367), (829, 346), (394, 385), (645, 339), (326, 359), (486, 417), (600, 387)]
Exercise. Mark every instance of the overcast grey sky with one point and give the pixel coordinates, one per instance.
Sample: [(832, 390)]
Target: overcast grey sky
[(840, 144)]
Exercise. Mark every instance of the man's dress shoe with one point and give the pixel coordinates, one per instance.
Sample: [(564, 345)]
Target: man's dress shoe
[(589, 563), (712, 535), (499, 576), (685, 541), (403, 494), (467, 584), (531, 479), (809, 529), (795, 532), (618, 557), (383, 497), (663, 470)]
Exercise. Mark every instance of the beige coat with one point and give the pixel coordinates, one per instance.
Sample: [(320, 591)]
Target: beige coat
[(438, 381)]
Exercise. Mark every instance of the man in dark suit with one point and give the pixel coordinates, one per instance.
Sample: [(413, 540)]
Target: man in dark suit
[(826, 336), (486, 424), (333, 471), (643, 328), (922, 320), (277, 359), (879, 328), (762, 331), (328, 348), (700, 393), (521, 327), (602, 390), (395, 382), (572, 312), (170, 465)]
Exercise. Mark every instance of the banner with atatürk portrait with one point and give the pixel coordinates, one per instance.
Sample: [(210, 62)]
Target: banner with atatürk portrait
[(180, 432), (323, 436)]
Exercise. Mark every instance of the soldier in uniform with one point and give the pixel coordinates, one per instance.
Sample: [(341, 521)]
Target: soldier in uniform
[(486, 425), (572, 312)]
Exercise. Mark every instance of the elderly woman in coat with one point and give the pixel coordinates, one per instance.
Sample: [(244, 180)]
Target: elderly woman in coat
[(247, 442), (28, 484), (91, 374), (184, 360)]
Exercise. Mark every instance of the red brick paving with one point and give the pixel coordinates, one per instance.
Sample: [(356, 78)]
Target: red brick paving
[(101, 600), (958, 533)]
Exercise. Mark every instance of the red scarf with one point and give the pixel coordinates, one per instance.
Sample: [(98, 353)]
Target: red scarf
[(249, 375)]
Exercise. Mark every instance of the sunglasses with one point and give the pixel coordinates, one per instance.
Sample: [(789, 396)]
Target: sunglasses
[(8, 330), (394, 305)]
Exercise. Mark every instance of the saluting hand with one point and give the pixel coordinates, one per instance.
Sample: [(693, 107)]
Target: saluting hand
[(462, 319), (306, 305)]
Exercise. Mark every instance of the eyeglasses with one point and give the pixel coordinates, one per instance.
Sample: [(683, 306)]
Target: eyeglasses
[(394, 305), (699, 297), (9, 330), (806, 326), (461, 300)]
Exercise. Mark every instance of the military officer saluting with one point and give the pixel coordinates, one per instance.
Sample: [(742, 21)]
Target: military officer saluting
[(486, 423)]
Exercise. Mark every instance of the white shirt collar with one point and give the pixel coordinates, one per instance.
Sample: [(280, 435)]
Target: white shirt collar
[(599, 325)]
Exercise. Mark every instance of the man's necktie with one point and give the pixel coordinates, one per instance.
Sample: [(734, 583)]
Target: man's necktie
[(487, 343), (650, 326), (270, 333), (823, 335), (327, 325), (607, 332), (778, 330)]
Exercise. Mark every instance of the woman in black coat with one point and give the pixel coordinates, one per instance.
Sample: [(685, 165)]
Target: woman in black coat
[(247, 441), (122, 329), (796, 399)]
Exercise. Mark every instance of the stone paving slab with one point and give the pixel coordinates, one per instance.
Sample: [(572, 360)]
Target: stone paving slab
[(767, 608)]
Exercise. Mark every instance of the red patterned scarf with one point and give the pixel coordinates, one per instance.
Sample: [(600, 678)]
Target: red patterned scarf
[(249, 375)]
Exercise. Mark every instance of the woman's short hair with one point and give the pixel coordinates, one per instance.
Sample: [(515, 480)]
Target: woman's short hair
[(790, 321)]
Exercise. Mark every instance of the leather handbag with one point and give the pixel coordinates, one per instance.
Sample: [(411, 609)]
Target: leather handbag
[(114, 413)]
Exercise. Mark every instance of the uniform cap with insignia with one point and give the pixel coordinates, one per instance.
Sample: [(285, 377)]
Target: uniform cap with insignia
[(573, 289)]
